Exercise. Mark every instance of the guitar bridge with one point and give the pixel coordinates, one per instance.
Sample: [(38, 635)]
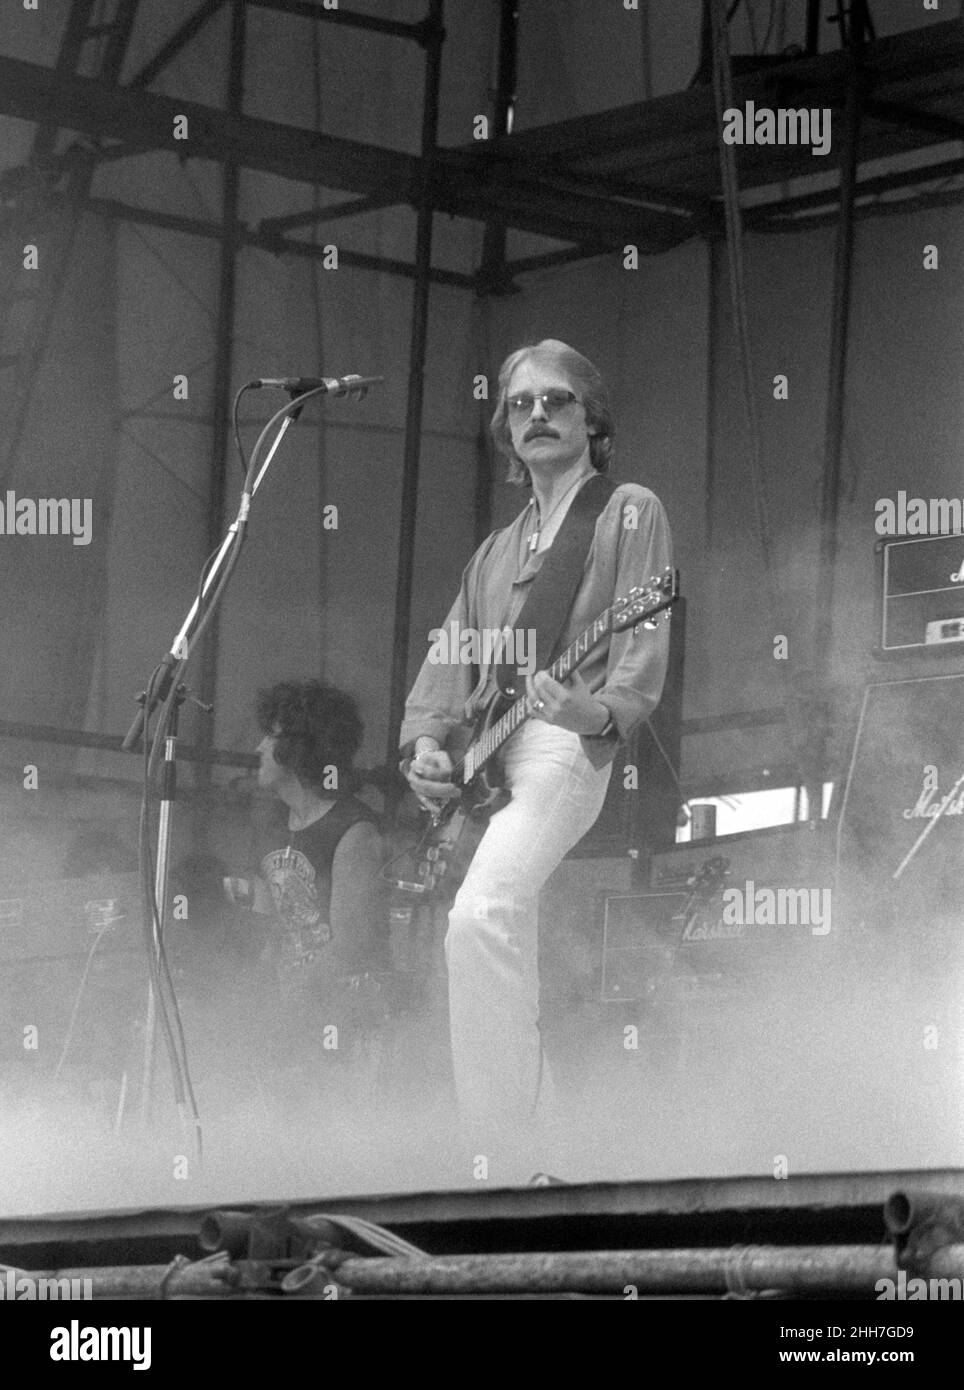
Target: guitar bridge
[(406, 886)]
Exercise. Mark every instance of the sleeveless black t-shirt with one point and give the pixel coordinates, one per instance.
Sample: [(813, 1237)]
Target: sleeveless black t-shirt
[(297, 866)]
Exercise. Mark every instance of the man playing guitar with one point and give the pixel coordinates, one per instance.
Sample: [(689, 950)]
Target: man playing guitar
[(553, 423)]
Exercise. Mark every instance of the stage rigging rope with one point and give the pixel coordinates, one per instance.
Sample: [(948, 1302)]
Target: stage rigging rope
[(723, 95)]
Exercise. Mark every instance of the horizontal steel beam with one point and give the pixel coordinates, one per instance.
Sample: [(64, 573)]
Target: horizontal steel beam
[(897, 113), (275, 245), (467, 186), (395, 28), (662, 131), (765, 214), (32, 92), (500, 181), (111, 743), (311, 216), (878, 207), (524, 265), (461, 183)]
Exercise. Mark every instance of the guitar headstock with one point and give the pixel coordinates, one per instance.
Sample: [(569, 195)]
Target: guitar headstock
[(643, 603), (710, 878)]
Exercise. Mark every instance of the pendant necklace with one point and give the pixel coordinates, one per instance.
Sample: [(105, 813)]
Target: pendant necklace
[(534, 538)]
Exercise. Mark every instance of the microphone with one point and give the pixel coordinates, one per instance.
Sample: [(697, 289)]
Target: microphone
[(350, 385)]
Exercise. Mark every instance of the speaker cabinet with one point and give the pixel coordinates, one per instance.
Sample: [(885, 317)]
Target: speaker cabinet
[(73, 970), (900, 836), (568, 915), (722, 913), (922, 595), (642, 816)]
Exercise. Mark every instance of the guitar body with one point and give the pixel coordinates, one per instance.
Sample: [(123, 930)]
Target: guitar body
[(441, 859), (483, 793), (457, 827)]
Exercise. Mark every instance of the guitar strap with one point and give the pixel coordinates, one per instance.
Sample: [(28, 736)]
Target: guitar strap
[(554, 588)]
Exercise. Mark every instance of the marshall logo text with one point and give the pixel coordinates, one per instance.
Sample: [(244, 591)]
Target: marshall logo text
[(930, 801)]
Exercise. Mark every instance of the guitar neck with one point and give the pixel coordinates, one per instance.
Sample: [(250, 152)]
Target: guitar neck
[(491, 740)]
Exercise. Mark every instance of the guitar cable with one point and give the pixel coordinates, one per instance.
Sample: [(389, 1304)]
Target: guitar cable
[(669, 763), (409, 850)]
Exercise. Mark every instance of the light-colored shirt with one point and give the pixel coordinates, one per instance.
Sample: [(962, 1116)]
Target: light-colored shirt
[(631, 545)]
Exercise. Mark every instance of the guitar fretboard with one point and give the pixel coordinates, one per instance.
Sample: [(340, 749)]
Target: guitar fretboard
[(489, 742)]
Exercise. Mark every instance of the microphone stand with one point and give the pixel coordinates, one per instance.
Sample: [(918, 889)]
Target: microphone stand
[(161, 883), (179, 650), (165, 687)]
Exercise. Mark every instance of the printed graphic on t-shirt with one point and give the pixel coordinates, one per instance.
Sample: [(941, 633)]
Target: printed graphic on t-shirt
[(291, 879)]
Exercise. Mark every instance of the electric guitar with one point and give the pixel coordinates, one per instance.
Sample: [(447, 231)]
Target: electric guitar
[(701, 887), (443, 854)]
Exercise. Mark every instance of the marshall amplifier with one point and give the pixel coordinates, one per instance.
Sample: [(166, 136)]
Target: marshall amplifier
[(922, 595), (568, 913), (72, 966), (900, 837), (66, 917), (639, 813), (650, 940), (722, 913)]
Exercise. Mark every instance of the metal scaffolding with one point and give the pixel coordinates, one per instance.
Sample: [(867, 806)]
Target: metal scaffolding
[(646, 173)]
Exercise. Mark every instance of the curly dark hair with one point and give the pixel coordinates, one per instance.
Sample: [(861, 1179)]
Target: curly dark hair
[(320, 728)]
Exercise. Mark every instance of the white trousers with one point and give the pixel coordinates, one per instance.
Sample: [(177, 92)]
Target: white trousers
[(492, 941)]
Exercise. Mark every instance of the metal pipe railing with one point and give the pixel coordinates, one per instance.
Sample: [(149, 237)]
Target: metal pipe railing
[(731, 1271)]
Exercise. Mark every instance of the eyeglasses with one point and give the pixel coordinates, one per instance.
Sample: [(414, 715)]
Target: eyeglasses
[(523, 405)]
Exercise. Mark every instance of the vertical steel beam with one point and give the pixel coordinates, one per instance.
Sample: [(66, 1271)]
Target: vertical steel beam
[(223, 364), (71, 48), (60, 244), (713, 306), (435, 37), (812, 42), (839, 325), (492, 272), (118, 39), (508, 66), (646, 49), (482, 508)]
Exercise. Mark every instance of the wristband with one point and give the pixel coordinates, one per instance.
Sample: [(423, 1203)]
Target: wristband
[(608, 728), (410, 750)]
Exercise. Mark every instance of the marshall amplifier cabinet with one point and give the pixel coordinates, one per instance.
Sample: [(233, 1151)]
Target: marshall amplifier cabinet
[(568, 913), (721, 914), (639, 813), (922, 595), (72, 965), (647, 942), (66, 917), (900, 837)]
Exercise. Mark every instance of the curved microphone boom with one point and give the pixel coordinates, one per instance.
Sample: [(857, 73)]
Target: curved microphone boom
[(351, 385)]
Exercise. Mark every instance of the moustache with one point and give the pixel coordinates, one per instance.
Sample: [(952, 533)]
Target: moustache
[(539, 432)]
